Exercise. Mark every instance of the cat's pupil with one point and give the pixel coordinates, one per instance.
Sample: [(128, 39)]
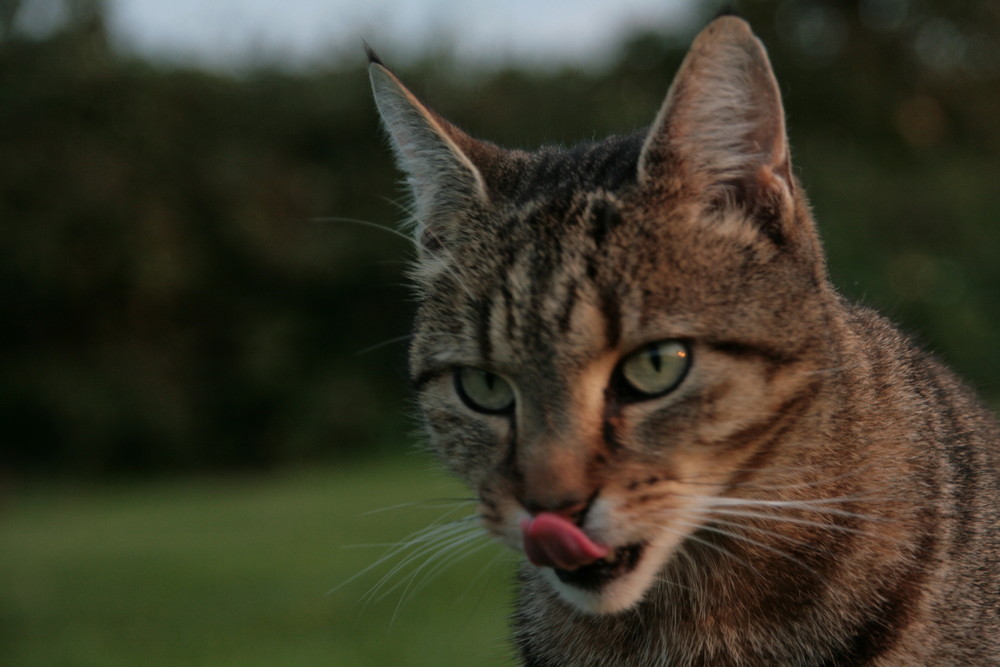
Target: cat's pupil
[(655, 360)]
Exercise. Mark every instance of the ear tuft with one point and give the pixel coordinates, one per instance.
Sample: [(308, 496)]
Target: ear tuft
[(373, 58), (728, 9)]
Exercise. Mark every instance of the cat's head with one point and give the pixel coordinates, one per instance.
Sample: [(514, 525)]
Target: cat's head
[(609, 335)]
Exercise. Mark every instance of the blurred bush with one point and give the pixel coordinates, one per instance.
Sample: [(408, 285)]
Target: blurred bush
[(168, 299), (185, 283)]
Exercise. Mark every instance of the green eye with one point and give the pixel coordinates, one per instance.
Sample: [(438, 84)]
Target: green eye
[(657, 368), (483, 391)]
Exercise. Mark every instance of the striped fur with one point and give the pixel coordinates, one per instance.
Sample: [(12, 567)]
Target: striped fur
[(814, 491)]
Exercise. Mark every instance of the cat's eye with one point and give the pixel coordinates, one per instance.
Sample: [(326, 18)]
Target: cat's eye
[(657, 368), (483, 391)]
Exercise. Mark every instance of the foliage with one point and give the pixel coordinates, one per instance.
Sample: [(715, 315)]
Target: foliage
[(176, 294)]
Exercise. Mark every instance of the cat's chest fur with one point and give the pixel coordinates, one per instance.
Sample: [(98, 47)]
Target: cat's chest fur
[(632, 353)]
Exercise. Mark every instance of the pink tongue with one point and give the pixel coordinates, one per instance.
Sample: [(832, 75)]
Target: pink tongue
[(551, 540)]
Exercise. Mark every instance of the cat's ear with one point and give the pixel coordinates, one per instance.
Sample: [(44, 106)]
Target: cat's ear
[(434, 155), (722, 128)]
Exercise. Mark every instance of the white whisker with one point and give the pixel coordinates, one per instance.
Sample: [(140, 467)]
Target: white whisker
[(450, 266), (833, 527), (764, 531), (450, 554), (385, 343), (365, 223), (713, 546), (692, 570), (418, 539), (435, 503), (428, 552), (674, 584), (748, 540), (817, 505)]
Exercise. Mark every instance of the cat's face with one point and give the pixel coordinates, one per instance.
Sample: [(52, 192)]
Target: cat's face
[(629, 379), (610, 337)]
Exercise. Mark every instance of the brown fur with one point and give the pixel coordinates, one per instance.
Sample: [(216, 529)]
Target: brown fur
[(815, 491)]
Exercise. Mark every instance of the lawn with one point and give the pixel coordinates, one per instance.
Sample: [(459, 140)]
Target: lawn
[(239, 571)]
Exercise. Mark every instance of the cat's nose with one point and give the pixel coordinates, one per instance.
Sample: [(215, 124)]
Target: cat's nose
[(557, 475), (572, 508)]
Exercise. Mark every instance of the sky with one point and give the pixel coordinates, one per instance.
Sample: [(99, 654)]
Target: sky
[(235, 33)]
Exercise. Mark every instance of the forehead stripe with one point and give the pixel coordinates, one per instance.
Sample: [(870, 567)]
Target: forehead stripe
[(483, 334), (611, 310), (604, 217), (564, 319)]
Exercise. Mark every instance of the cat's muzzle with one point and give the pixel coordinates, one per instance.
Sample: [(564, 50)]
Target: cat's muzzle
[(594, 576)]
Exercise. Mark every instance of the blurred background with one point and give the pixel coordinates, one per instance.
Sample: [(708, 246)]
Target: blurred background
[(202, 327)]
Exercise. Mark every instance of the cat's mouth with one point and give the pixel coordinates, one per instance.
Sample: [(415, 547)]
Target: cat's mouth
[(597, 574)]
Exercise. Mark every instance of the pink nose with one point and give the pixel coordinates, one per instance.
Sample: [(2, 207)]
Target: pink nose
[(551, 540)]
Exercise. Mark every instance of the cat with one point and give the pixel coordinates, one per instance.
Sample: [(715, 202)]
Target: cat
[(632, 353)]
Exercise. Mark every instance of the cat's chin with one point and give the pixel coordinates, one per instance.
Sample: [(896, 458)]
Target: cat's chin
[(611, 585)]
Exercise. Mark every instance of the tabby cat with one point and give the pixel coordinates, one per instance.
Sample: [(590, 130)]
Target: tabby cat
[(632, 353)]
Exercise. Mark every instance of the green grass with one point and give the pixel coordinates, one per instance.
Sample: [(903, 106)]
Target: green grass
[(221, 572)]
